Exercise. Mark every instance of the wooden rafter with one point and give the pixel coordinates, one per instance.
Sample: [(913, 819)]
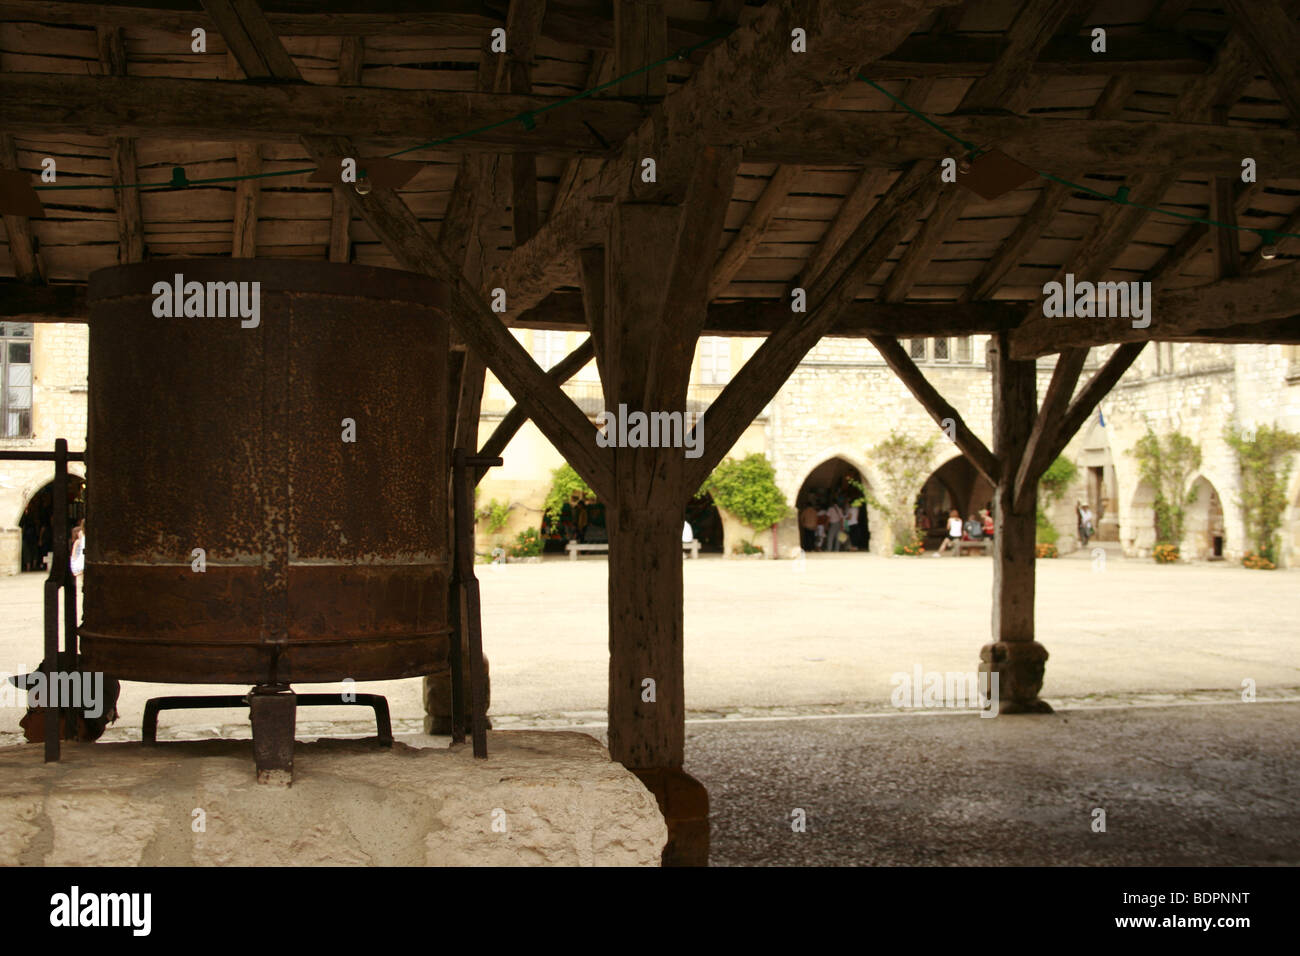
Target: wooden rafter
[(1197, 239), (18, 229), (764, 210), (751, 81), (351, 58), (565, 23), (1048, 203), (121, 150), (1272, 32), (1118, 224), (514, 419)]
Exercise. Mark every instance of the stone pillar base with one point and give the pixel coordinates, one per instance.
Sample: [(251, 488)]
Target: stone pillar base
[(685, 805), (1019, 666), (437, 700)]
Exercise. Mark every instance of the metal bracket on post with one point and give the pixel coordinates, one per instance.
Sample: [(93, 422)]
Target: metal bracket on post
[(60, 577), (463, 474)]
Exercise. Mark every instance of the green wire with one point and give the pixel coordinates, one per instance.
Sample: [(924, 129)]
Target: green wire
[(1268, 235), (526, 118)]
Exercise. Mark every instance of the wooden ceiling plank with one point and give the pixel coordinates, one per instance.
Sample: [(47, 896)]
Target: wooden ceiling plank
[(1273, 34), (1049, 202), (750, 81), (751, 233)]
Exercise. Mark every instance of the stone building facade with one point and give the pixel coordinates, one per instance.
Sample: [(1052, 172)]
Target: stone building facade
[(52, 386), (840, 403)]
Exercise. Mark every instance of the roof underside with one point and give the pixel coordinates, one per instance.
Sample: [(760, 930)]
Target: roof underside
[(1157, 46)]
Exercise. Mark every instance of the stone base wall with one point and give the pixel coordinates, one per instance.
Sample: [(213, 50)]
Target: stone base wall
[(540, 799)]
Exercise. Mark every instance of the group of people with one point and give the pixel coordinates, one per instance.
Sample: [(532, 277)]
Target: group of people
[(977, 527), (37, 526), (833, 524)]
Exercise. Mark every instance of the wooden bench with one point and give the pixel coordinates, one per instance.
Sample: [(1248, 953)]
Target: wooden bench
[(981, 545), (573, 547)]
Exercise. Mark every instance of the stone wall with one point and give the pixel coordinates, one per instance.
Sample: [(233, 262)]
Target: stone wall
[(59, 363), (539, 799), (841, 401)]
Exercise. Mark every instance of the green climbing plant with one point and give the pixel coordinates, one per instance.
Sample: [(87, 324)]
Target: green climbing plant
[(1264, 460), (494, 514), (564, 482), (747, 488), (1166, 462), (902, 463), (1052, 487)]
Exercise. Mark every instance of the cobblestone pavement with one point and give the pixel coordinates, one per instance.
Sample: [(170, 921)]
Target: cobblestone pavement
[(1195, 785)]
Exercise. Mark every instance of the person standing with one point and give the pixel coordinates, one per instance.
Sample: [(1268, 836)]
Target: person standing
[(808, 526), (78, 549), (834, 519), (852, 515), (1083, 518)]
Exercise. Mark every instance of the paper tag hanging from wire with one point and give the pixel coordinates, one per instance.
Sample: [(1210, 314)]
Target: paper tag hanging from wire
[(993, 174), (17, 197)]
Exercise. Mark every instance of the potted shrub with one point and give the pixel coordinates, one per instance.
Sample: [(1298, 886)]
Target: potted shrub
[(527, 547)]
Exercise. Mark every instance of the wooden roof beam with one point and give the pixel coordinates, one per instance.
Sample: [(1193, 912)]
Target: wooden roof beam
[(1273, 34), (751, 81), (18, 229), (130, 221), (563, 311), (1268, 295), (1147, 53), (585, 25), (1118, 224), (223, 111), (352, 54)]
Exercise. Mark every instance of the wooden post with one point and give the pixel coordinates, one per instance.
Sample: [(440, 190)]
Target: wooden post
[(658, 260), (1014, 655)]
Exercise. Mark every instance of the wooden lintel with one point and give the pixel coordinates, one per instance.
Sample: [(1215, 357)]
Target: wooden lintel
[(564, 311), (1264, 296)]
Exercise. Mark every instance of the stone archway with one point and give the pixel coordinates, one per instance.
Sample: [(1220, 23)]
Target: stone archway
[(1142, 521), (832, 478), (1100, 483), (36, 520), (1203, 534), (954, 485)]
